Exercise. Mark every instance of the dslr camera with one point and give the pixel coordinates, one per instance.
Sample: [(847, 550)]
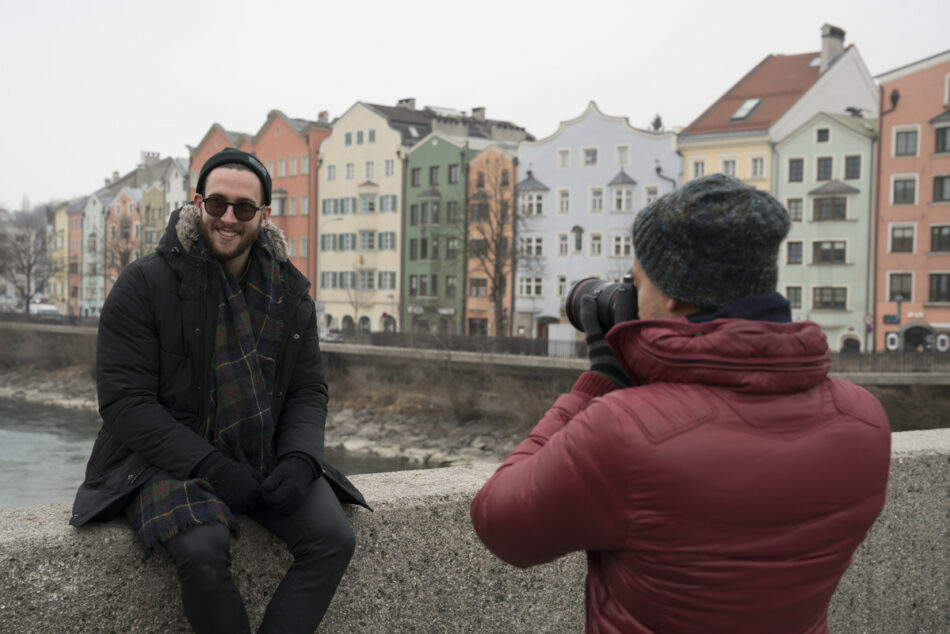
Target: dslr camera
[(616, 301)]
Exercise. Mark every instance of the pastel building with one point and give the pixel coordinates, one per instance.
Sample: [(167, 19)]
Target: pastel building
[(93, 254), (57, 285), (913, 222), (433, 262), (123, 233), (825, 181), (582, 188), (735, 134), (74, 219)]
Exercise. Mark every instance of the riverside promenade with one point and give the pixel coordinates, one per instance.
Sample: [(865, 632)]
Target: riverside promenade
[(419, 567)]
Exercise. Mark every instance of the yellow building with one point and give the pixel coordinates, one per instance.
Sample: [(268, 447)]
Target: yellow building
[(737, 133), (57, 286)]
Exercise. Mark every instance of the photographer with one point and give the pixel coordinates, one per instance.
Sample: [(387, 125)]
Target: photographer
[(717, 477)]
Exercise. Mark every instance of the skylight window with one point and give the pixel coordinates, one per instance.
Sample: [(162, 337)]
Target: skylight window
[(413, 131), (745, 110)]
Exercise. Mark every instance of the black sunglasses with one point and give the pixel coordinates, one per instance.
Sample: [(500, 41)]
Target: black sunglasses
[(217, 206)]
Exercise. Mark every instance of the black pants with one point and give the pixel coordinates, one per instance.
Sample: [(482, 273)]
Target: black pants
[(318, 537)]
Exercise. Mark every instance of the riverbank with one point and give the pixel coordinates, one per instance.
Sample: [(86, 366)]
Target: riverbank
[(386, 427)]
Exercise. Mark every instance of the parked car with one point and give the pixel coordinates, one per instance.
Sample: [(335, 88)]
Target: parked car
[(45, 312), (331, 336)]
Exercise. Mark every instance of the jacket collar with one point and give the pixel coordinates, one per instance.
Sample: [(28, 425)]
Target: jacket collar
[(758, 357)]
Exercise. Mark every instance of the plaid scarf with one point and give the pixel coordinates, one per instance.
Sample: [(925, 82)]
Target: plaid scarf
[(241, 424)]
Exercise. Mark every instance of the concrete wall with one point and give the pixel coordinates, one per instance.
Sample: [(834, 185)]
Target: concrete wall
[(419, 567)]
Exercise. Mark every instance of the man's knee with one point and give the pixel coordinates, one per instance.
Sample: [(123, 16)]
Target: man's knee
[(334, 541), (204, 550)]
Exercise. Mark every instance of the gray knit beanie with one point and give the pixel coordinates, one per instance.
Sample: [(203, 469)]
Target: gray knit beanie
[(713, 240)]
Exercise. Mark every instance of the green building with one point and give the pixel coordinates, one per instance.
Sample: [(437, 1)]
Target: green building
[(433, 249), (824, 177)]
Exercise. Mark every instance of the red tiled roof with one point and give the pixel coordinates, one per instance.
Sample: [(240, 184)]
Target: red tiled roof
[(778, 80)]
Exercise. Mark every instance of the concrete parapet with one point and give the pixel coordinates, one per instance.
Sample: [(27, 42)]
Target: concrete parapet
[(419, 567)]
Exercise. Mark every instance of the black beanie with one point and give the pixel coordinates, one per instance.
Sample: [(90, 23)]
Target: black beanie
[(234, 155), (713, 240)]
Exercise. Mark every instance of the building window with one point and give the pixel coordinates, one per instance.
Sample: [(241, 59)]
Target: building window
[(434, 175), (902, 239), (852, 167), (305, 205), (367, 240), (350, 171), (270, 168), (478, 287), (479, 212), (651, 193), (389, 167), (796, 170), (900, 285), (824, 168), (530, 246), (530, 204), (623, 199), (451, 284), (529, 287), (415, 176), (348, 138), (623, 155), (370, 169), (578, 239), (372, 135), (794, 296), (453, 174), (413, 285), (505, 179), (366, 279), (905, 143), (477, 247), (942, 140), (291, 247), (452, 212), (387, 203), (941, 189), (758, 167), (823, 135), (359, 137), (829, 298), (562, 244), (596, 245), (795, 209), (293, 166), (331, 172), (729, 167), (387, 280), (940, 287), (590, 156), (367, 203), (905, 191), (794, 253), (940, 238), (451, 249), (830, 208), (623, 245), (304, 163), (699, 169), (561, 284), (413, 248), (828, 252), (596, 199), (292, 208), (387, 240), (480, 180), (563, 201), (563, 158)]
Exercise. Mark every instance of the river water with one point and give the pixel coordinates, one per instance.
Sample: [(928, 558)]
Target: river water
[(43, 453)]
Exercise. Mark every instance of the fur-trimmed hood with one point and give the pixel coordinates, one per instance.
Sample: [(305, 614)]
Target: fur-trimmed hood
[(186, 229)]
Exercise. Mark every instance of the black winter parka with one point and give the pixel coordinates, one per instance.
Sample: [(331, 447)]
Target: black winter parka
[(153, 373)]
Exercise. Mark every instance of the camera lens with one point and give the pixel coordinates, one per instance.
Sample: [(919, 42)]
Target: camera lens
[(616, 301)]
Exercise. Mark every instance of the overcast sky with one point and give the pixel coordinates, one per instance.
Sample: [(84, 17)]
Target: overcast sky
[(87, 85)]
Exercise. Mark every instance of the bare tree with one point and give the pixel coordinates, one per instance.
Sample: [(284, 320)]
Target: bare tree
[(357, 297), (491, 228), (23, 257)]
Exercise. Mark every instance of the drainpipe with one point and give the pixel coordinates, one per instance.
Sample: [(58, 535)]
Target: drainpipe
[(659, 172), (895, 97)]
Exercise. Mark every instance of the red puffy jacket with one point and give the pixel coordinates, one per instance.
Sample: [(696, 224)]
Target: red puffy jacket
[(726, 493)]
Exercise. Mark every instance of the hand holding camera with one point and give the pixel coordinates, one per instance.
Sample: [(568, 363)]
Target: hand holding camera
[(594, 306)]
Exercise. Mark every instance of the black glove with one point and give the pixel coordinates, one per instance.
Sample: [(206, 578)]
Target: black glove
[(237, 484), (288, 483), (602, 359)]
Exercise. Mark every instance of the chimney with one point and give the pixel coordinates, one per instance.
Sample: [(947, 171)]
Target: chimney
[(832, 45), (323, 117), (115, 176), (409, 103), (479, 113)]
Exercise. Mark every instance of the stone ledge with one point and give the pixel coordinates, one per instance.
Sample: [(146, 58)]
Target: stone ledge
[(420, 568)]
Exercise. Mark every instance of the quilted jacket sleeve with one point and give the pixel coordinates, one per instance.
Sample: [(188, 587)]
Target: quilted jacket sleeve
[(558, 491), (127, 381)]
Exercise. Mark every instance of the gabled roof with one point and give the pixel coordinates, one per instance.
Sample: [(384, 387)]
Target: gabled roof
[(914, 67), (76, 205), (778, 81), (234, 138), (299, 126), (414, 125), (864, 127), (834, 186), (622, 178), (531, 184)]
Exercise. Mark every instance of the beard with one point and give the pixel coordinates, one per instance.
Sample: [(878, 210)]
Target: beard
[(225, 249)]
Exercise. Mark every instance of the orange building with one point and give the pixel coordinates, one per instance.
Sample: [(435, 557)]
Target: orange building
[(490, 235), (288, 148), (912, 285), (74, 214), (123, 242)]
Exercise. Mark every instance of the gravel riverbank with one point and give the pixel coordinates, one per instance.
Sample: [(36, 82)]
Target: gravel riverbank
[(424, 439)]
